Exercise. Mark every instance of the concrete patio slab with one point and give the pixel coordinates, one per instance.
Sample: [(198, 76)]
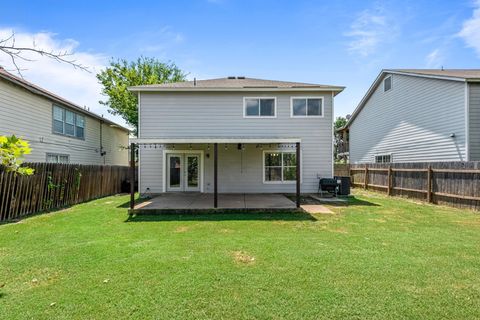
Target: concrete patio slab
[(197, 202)]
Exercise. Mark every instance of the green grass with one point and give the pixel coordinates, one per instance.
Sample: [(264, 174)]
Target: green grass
[(378, 258)]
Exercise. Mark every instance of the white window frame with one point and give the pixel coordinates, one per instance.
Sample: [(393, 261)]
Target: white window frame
[(322, 109), (391, 83), (259, 116), (75, 114), (383, 155), (282, 181), (58, 155)]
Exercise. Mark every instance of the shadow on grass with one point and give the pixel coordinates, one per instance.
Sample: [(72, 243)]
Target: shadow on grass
[(126, 205), (281, 216), (352, 201)]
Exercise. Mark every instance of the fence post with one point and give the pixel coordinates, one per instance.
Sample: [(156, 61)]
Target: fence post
[(132, 176), (389, 190), (429, 184), (365, 182)]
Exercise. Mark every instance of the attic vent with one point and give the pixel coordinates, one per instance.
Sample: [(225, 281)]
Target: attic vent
[(242, 77), (231, 78)]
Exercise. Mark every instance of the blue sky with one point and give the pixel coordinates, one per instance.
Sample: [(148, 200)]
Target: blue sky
[(330, 42)]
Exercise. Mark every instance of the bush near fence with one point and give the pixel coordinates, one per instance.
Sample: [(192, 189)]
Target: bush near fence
[(450, 183), (54, 186)]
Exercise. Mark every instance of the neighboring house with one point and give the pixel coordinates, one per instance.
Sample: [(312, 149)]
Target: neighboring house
[(256, 125), (416, 115), (58, 130)]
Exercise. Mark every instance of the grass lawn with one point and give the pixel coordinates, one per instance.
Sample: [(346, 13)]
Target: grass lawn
[(378, 258)]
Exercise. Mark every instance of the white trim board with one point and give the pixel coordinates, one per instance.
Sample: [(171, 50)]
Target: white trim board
[(217, 140)]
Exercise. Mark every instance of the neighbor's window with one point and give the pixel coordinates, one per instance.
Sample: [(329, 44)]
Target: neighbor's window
[(68, 122), (259, 107), (383, 158), (58, 158), (307, 107), (280, 166), (387, 83)]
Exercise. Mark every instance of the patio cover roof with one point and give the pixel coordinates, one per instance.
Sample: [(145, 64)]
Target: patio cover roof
[(217, 140)]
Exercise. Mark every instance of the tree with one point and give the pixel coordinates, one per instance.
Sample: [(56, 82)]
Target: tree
[(12, 150), (15, 53), (340, 122), (122, 74)]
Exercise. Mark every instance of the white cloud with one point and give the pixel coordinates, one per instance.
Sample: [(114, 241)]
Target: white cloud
[(434, 59), (470, 32), (78, 86), (368, 31)]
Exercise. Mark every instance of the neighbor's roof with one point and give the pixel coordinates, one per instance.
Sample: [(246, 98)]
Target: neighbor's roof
[(4, 74), (463, 75), (237, 84)]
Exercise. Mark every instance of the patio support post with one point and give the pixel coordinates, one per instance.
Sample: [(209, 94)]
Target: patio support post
[(215, 175), (132, 175), (298, 174)]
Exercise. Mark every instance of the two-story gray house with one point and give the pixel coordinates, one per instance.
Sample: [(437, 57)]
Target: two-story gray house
[(417, 115), (58, 130), (255, 125)]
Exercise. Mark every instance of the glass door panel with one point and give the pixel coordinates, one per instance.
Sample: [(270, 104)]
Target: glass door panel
[(192, 172), (174, 178)]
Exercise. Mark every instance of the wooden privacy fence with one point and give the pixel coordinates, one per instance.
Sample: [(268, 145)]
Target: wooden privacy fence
[(451, 183), (55, 186)]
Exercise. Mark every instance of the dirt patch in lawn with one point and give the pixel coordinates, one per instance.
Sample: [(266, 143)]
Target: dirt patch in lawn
[(181, 229), (242, 257)]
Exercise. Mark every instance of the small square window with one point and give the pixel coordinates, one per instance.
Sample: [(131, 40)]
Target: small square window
[(384, 158), (387, 83)]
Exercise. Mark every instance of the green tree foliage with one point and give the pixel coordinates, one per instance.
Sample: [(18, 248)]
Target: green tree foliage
[(121, 74), (340, 122), (12, 150)]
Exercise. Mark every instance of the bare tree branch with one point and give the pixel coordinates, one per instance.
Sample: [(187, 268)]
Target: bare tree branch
[(8, 47)]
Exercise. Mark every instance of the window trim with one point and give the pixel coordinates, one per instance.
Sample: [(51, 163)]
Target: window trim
[(57, 155), (322, 109), (259, 116), (382, 155), (282, 181), (75, 113), (391, 83)]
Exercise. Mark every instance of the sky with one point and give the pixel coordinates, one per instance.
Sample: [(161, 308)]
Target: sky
[(328, 42)]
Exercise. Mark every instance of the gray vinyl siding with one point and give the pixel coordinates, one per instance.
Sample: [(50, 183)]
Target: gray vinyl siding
[(412, 122), (164, 115), (474, 121), (29, 116)]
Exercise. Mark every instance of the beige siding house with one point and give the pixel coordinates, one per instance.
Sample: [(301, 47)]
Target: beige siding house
[(257, 126), (58, 130), (418, 115)]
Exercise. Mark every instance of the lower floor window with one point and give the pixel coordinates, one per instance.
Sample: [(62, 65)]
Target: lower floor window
[(280, 166), (383, 158), (58, 158)]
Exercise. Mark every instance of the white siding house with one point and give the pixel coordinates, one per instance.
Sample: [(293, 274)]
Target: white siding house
[(58, 130), (255, 124), (418, 116)]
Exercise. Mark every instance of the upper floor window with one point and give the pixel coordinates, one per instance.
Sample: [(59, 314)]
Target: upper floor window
[(68, 122), (387, 83), (307, 107), (259, 107), (383, 158)]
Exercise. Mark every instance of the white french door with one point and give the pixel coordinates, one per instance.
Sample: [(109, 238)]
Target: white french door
[(183, 171)]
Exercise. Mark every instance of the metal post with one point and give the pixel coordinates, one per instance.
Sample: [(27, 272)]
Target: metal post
[(132, 175), (298, 174), (215, 175)]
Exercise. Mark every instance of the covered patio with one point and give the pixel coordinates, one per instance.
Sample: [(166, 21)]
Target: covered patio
[(199, 202)]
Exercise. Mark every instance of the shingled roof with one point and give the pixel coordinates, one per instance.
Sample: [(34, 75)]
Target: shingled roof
[(235, 84), (465, 74)]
